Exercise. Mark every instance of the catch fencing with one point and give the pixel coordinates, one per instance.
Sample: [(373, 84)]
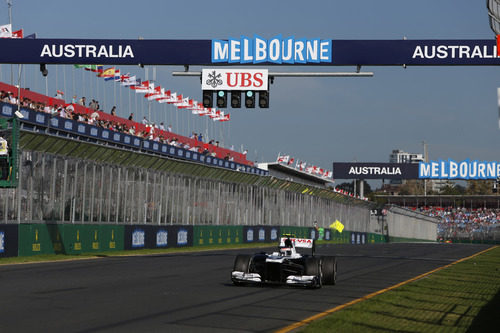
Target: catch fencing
[(61, 189)]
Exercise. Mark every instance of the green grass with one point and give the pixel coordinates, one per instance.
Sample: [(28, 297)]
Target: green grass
[(61, 257), (464, 297)]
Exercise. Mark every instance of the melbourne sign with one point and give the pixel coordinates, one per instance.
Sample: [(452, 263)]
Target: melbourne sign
[(459, 170), (375, 171), (234, 79), (276, 50)]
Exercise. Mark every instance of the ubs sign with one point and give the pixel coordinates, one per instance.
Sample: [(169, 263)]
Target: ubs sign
[(234, 79)]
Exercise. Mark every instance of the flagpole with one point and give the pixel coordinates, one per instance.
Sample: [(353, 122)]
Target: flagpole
[(114, 89), (64, 81), (120, 90), (57, 74), (9, 4), (73, 92)]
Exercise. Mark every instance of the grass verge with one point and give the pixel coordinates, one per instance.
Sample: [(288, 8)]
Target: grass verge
[(464, 297)]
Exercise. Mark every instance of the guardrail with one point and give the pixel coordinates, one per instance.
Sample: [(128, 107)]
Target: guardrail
[(48, 124)]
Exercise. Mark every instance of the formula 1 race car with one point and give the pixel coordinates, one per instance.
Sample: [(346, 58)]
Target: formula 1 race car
[(286, 266)]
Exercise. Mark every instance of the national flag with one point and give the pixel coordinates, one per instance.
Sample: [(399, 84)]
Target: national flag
[(141, 87), (17, 34), (337, 225), (125, 76), (157, 92), (175, 99), (204, 111), (99, 69), (214, 115), (92, 68), (227, 117), (164, 97), (284, 158), (291, 161), (107, 73), (169, 97), (117, 75), (6, 31), (31, 36), (81, 66), (130, 81), (186, 102)]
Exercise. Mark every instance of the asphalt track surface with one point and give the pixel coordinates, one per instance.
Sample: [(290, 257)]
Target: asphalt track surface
[(192, 292)]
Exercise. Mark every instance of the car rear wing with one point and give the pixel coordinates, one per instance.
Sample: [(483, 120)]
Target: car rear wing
[(305, 243)]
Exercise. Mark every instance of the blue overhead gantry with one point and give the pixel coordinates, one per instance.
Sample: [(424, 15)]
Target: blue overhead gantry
[(276, 51)]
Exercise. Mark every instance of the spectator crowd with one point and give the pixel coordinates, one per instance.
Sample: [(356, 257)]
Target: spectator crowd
[(461, 222), (92, 115)]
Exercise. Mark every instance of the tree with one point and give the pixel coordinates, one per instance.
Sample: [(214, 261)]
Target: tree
[(412, 187), (479, 187)]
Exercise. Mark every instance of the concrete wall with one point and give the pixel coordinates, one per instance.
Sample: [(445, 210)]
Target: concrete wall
[(407, 225)]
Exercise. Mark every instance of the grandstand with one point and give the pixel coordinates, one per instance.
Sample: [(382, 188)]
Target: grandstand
[(462, 218)]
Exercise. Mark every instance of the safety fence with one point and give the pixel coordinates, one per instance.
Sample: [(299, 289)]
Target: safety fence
[(60, 189), (38, 238)]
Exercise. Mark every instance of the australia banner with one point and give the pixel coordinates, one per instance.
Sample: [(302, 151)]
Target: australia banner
[(375, 171)]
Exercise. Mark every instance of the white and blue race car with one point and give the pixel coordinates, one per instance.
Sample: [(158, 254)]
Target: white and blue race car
[(286, 266)]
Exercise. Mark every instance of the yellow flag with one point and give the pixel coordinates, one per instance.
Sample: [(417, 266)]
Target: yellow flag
[(337, 225)]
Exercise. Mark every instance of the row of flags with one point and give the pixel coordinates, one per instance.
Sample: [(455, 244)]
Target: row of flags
[(6, 32), (302, 166), (156, 93)]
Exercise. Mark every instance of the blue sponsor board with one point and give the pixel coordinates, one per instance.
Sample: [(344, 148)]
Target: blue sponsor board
[(152, 237), (358, 238), (262, 234), (277, 50), (9, 240)]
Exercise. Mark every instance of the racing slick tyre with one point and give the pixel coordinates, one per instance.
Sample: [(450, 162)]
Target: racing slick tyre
[(241, 264), (313, 267), (329, 270)]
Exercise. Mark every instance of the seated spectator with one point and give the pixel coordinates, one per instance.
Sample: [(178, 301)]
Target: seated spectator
[(82, 101)]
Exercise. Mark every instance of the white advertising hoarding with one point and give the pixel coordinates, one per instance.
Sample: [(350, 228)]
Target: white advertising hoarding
[(234, 79)]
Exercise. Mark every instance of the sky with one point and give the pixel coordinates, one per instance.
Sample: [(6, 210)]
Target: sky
[(316, 120)]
